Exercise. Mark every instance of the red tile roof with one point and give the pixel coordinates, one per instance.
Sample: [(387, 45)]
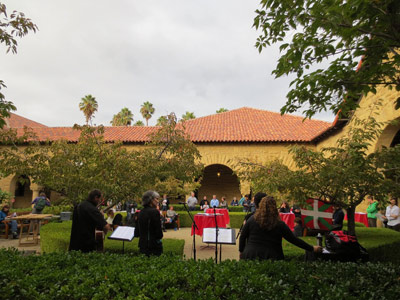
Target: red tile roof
[(243, 125), (16, 121)]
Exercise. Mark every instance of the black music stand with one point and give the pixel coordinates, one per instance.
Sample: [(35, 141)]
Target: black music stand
[(219, 236), (194, 230), (124, 234)]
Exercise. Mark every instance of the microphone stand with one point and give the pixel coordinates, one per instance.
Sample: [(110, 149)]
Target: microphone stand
[(241, 227), (194, 230), (216, 236)]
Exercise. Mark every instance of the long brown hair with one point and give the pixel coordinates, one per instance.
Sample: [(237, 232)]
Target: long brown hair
[(267, 215)]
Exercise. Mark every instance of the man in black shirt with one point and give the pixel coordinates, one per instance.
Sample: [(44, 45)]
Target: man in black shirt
[(86, 219), (338, 216)]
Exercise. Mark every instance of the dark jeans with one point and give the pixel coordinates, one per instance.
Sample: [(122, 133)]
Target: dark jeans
[(395, 227), (371, 222)]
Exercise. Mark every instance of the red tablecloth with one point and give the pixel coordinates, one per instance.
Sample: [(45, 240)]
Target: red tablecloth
[(288, 218), (223, 211), (360, 218), (207, 221)]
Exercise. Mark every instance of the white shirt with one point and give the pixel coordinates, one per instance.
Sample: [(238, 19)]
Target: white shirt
[(393, 211)]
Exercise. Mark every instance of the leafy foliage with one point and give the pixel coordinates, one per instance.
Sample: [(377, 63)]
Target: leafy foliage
[(13, 26), (336, 34), (123, 118), (112, 276), (221, 110), (147, 110), (188, 116), (343, 175), (88, 106)]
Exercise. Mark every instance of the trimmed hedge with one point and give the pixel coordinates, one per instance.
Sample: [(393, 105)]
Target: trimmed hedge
[(54, 237), (113, 276)]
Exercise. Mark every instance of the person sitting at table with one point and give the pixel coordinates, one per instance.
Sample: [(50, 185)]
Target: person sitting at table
[(205, 206), (202, 202), (284, 208), (224, 203), (296, 210), (234, 202), (12, 223), (214, 202), (261, 237), (172, 217), (337, 218)]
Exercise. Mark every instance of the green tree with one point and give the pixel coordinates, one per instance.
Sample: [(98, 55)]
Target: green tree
[(161, 120), (337, 34), (188, 116), (123, 118), (88, 106), (11, 27), (221, 110), (147, 110), (138, 123), (342, 175)]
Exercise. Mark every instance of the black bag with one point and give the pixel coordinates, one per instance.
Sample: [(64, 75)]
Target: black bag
[(345, 246)]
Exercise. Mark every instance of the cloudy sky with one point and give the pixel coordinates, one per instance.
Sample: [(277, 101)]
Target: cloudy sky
[(181, 55)]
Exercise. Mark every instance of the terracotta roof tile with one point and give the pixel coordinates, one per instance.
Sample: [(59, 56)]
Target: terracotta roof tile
[(16, 121), (239, 125)]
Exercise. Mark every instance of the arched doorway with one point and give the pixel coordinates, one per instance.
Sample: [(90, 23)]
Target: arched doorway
[(22, 192), (219, 180)]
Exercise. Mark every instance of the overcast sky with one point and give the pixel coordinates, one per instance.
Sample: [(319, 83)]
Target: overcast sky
[(181, 55)]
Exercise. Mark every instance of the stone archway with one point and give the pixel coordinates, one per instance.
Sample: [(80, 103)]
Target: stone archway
[(390, 136), (21, 187), (219, 180)]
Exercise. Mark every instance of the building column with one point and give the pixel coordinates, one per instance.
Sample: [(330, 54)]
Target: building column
[(35, 190), (245, 187)]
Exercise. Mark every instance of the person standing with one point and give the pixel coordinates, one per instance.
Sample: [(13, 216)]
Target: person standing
[(372, 210), (150, 232), (393, 215), (337, 218), (39, 203), (261, 237), (214, 202), (85, 220), (191, 202)]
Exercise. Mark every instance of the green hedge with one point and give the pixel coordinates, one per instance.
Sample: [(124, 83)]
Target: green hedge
[(54, 237), (114, 276)]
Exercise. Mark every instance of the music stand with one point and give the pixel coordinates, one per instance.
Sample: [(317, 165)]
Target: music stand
[(219, 236), (124, 234), (194, 230)]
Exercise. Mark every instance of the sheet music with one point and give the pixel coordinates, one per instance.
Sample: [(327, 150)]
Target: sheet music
[(225, 236), (123, 233)]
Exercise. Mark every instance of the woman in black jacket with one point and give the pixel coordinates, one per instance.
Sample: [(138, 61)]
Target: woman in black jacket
[(261, 236), (150, 232)]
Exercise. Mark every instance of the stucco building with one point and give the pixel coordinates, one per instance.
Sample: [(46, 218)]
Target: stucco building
[(223, 138)]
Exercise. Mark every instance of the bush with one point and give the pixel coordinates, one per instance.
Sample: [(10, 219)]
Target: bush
[(54, 237), (113, 276)]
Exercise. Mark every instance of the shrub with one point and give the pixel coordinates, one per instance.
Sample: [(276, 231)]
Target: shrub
[(76, 275)]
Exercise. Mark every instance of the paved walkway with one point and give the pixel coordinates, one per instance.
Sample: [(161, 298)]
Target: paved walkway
[(202, 250)]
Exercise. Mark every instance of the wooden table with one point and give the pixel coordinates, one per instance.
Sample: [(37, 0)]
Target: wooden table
[(34, 224), (207, 221)]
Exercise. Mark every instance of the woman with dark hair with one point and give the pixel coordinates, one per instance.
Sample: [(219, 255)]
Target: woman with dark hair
[(284, 208), (261, 236), (150, 231)]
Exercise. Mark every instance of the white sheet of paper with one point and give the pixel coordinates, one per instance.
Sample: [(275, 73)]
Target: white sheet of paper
[(125, 233), (225, 236)]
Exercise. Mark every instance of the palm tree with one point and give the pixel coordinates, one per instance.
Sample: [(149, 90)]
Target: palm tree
[(139, 123), (161, 120), (116, 120), (147, 110), (188, 116), (89, 106), (221, 110), (126, 116)]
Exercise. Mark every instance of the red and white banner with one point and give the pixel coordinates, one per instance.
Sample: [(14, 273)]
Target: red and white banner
[(317, 214)]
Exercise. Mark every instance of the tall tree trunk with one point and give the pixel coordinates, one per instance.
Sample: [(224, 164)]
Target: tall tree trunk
[(351, 226)]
